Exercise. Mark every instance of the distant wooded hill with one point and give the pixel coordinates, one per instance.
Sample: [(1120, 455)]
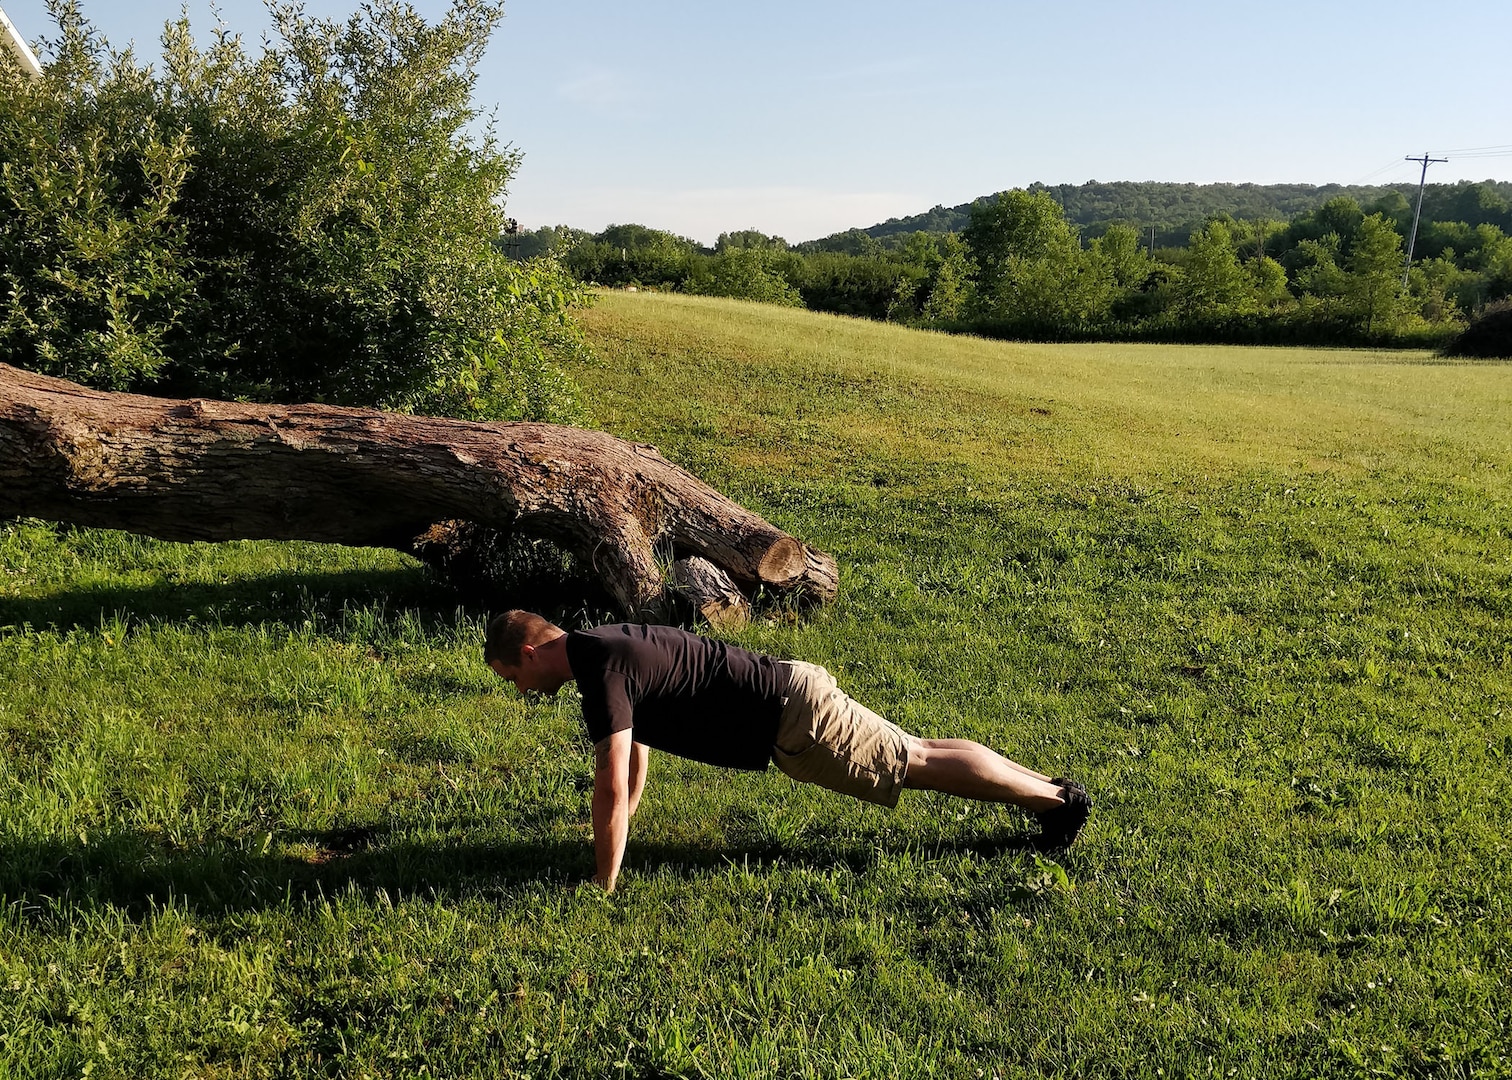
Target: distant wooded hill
[(1272, 264), (1176, 211)]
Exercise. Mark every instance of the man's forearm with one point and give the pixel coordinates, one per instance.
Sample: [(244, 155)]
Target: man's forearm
[(611, 804), (638, 755), (611, 827)]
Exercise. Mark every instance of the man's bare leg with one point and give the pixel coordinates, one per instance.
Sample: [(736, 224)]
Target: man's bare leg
[(973, 771), (967, 744)]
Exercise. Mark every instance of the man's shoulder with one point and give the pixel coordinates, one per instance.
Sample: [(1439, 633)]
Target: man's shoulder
[(622, 637), (621, 646), (647, 650)]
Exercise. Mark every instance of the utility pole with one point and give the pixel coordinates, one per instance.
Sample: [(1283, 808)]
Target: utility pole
[(18, 47), (1422, 183)]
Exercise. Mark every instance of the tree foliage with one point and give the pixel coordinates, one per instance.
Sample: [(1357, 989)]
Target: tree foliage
[(1176, 210), (1374, 282), (1214, 285), (747, 273), (1032, 271), (314, 221), (631, 255), (1489, 335), (1126, 259)]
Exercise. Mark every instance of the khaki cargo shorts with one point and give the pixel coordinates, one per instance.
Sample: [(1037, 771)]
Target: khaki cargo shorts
[(826, 738)]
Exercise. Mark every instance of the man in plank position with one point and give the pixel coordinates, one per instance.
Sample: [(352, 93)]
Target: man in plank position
[(704, 699)]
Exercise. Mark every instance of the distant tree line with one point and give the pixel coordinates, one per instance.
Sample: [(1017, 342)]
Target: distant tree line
[(1175, 211), (1018, 268)]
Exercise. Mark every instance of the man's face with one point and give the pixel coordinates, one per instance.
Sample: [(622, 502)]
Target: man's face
[(530, 675)]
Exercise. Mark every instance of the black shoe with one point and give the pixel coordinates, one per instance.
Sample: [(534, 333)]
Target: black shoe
[(1074, 785), (1060, 825)]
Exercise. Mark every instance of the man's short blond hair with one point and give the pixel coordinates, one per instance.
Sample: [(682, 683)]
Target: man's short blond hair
[(510, 632)]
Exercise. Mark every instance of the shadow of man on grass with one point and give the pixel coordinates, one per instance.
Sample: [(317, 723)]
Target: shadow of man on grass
[(179, 594), (137, 873)]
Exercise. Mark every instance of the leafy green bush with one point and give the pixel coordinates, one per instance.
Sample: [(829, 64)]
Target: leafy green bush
[(1489, 335), (317, 222), (852, 284), (748, 274), (631, 255), (1032, 271)]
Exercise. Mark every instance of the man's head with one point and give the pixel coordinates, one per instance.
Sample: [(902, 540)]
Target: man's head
[(525, 649)]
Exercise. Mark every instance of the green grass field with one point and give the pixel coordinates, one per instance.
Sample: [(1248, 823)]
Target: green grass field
[(263, 812)]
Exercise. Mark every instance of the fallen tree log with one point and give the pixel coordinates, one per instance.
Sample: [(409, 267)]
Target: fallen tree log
[(220, 470)]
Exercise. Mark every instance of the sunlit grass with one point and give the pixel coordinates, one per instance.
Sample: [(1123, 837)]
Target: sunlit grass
[(796, 378), (263, 812)]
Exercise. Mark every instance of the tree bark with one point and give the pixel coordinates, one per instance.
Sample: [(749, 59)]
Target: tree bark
[(219, 470), (716, 598)]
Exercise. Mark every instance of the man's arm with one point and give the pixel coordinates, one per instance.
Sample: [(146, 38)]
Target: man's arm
[(638, 755), (611, 804)]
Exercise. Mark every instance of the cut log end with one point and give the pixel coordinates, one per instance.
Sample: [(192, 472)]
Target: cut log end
[(783, 563)]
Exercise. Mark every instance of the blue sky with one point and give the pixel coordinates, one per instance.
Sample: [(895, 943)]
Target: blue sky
[(802, 119)]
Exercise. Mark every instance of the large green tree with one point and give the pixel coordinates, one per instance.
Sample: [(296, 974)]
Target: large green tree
[(1127, 261), (947, 291), (1375, 275), (748, 273), (632, 255), (313, 220), (1031, 268), (1214, 284)]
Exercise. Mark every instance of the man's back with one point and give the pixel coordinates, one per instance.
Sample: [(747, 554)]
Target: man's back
[(688, 695)]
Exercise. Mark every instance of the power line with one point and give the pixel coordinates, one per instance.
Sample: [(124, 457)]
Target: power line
[(1474, 149), (1471, 152), (1392, 164), (1482, 154)]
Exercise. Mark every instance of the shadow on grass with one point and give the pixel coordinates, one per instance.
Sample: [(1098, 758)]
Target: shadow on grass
[(136, 873), (1350, 355), (278, 597), (291, 598)]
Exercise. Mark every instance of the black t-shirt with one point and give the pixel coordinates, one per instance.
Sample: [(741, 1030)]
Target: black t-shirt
[(688, 695)]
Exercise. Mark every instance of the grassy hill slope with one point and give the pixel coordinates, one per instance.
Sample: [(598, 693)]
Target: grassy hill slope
[(817, 390), (263, 812)]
